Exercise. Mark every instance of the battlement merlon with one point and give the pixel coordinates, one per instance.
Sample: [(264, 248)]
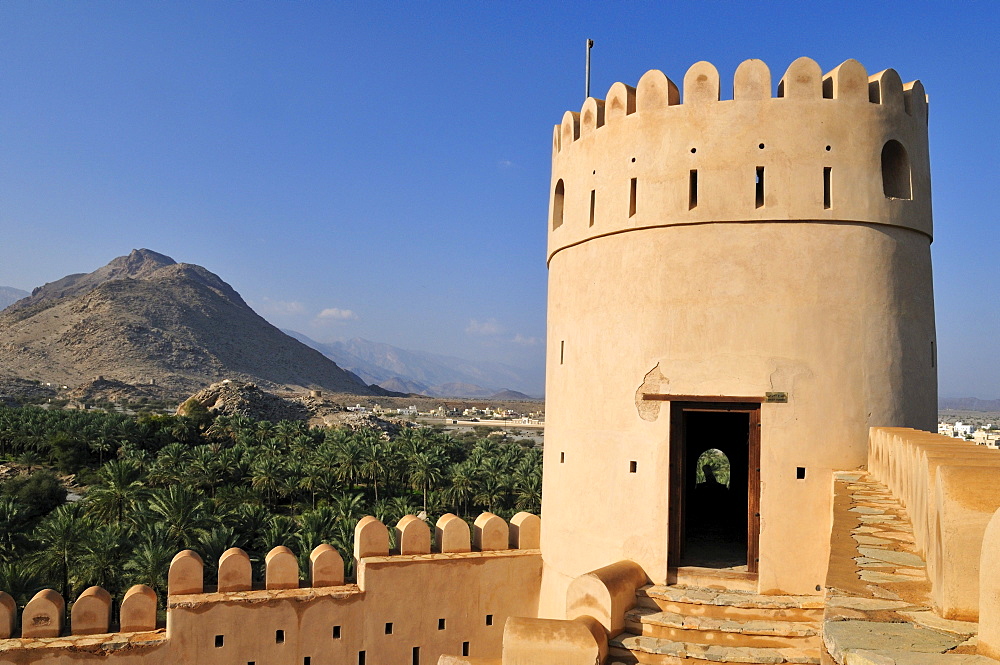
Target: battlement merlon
[(840, 147)]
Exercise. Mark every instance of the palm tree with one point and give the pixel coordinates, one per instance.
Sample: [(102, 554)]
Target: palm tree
[(103, 558), (12, 520), (182, 517), (268, 475), (425, 470), (118, 494), (374, 465), (59, 537), (463, 486), (349, 507), (149, 564)]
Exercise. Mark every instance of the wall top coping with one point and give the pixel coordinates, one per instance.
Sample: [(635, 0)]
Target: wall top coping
[(446, 556), (192, 600), (105, 641)]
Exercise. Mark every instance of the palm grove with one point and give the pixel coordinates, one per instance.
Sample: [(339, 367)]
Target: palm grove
[(157, 484)]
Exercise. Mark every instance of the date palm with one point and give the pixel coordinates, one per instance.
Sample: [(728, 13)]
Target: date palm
[(181, 515), (59, 538)]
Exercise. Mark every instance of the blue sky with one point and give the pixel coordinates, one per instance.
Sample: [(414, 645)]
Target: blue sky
[(381, 169)]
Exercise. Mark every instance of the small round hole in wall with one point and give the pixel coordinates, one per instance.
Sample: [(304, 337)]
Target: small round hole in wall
[(761, 146), (694, 150), (595, 172), (633, 159), (828, 148)]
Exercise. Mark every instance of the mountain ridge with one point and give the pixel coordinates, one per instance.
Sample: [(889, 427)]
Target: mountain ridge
[(145, 319), (408, 370), (10, 295)]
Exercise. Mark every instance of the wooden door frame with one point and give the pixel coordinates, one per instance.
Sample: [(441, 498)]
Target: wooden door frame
[(748, 405)]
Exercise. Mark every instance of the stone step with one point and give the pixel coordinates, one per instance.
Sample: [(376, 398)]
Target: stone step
[(651, 622), (630, 648), (729, 604)]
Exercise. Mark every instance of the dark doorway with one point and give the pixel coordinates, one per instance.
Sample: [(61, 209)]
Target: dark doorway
[(714, 485)]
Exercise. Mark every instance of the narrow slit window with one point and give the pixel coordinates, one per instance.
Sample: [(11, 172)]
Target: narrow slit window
[(760, 187), (489, 619), (827, 173), (557, 205), (562, 458), (219, 640), (361, 658), (336, 632), (416, 655), (307, 660), (279, 637), (440, 624), (933, 355), (631, 198), (465, 648), (593, 203), (693, 190), (562, 351), (388, 629), (633, 466)]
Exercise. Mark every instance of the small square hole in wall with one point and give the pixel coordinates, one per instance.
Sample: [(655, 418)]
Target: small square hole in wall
[(440, 624), (388, 629), (489, 619), (800, 473), (219, 639), (336, 632), (279, 637), (562, 458), (633, 466), (465, 648)]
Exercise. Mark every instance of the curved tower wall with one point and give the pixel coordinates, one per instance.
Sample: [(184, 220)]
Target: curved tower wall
[(816, 284)]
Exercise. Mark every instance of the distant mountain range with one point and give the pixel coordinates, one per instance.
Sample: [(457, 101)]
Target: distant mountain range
[(409, 371), (9, 295), (969, 404), (146, 320)]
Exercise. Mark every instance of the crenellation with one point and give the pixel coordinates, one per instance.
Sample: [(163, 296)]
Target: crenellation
[(847, 82), (701, 83), (490, 532), (8, 615), (570, 127), (453, 534), (138, 610), (235, 571), (655, 91), (186, 574), (413, 536), (525, 531), (43, 615), (371, 538), (281, 569), (752, 81), (886, 89), (91, 612), (803, 80), (591, 116), (326, 566), (620, 102)]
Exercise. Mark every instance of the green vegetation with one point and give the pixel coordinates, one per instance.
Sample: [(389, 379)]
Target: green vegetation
[(158, 484)]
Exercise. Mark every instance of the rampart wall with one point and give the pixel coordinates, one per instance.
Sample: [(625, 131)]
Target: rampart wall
[(950, 490), (409, 606)]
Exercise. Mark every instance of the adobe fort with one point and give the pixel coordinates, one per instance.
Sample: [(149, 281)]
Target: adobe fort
[(741, 387)]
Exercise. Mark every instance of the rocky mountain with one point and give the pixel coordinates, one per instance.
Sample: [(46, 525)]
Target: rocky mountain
[(431, 374), (9, 295), (146, 320), (969, 404)]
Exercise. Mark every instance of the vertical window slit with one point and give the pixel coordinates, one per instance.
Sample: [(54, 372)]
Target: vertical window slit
[(562, 351), (693, 190), (557, 205), (760, 187), (416, 655), (361, 658), (465, 648), (631, 199), (827, 172), (593, 201)]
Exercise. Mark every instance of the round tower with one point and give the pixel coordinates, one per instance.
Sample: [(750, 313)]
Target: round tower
[(739, 284)]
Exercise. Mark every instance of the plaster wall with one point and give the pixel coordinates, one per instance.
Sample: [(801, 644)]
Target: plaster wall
[(832, 305), (411, 592)]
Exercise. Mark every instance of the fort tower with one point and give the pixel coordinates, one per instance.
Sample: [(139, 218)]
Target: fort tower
[(750, 275)]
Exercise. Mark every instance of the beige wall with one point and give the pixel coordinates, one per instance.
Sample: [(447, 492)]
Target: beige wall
[(834, 307)]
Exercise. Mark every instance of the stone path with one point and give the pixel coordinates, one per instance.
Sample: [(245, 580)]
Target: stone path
[(878, 609)]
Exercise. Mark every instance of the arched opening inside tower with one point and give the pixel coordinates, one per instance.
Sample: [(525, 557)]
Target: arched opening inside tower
[(715, 501)]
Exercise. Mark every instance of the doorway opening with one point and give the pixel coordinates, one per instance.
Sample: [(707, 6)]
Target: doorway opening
[(715, 486)]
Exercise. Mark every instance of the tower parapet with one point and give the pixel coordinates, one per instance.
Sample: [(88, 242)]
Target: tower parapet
[(843, 146)]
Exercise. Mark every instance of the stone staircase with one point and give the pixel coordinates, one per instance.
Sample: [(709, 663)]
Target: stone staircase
[(674, 625)]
